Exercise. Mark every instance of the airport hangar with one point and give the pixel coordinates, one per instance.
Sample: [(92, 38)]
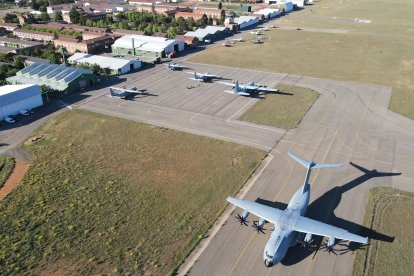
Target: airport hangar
[(118, 66), (61, 78), (147, 46), (14, 98)]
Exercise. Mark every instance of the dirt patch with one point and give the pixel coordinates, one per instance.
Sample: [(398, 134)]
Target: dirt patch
[(17, 175)]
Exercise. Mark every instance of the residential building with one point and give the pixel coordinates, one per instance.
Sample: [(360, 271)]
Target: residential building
[(145, 2), (90, 46), (190, 41), (27, 34), (187, 15), (211, 12), (9, 26), (19, 44)]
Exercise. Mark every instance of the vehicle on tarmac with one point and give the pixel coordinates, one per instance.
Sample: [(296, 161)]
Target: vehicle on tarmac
[(290, 225)]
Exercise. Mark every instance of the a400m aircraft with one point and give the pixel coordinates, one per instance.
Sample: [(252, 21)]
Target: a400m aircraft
[(290, 225)]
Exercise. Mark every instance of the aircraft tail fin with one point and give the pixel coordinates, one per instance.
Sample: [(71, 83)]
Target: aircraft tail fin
[(311, 164), (236, 87)]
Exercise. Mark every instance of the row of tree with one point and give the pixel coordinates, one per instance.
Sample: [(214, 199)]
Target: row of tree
[(9, 67), (55, 32)]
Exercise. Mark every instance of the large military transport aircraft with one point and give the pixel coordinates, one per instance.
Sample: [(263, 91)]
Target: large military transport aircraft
[(203, 76), (290, 225), (250, 89)]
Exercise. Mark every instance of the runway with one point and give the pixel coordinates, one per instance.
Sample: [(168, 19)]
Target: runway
[(349, 122)]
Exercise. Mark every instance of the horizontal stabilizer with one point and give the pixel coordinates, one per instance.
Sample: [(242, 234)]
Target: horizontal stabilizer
[(311, 164)]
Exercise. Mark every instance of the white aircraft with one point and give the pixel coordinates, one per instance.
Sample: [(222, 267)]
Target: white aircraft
[(257, 32), (290, 225), (238, 39), (250, 89), (203, 76), (123, 92), (175, 66)]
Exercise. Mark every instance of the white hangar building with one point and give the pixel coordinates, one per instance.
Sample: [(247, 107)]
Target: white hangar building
[(118, 66), (14, 98), (246, 21), (146, 46)]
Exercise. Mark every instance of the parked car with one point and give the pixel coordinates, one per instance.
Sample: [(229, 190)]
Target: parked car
[(9, 120), (24, 112)]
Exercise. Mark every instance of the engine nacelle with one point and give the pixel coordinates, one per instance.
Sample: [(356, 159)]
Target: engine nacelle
[(308, 238), (245, 214), (331, 242), (261, 223)]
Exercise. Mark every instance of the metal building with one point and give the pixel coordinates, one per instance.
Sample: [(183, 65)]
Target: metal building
[(14, 98)]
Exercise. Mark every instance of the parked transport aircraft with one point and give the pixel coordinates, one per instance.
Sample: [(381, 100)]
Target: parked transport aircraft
[(290, 225)]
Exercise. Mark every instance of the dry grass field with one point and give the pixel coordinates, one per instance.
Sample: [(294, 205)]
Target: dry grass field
[(6, 168), (284, 111), (109, 196), (390, 212), (334, 43)]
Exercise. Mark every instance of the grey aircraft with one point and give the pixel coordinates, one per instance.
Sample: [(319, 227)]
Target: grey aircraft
[(249, 89), (290, 225), (123, 92), (175, 66), (203, 76)]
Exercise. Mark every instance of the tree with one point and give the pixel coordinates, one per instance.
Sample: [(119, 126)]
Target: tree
[(96, 69), (18, 62), (42, 9), (171, 32), (220, 5), (58, 16), (44, 16), (10, 18), (34, 5), (74, 15), (82, 20)]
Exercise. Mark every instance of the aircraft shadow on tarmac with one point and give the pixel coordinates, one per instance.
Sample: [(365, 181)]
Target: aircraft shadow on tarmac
[(322, 209), (144, 94)]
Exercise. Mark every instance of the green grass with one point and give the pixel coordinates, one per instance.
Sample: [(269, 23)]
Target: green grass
[(105, 195), (284, 111), (389, 212), (6, 168), (381, 52)]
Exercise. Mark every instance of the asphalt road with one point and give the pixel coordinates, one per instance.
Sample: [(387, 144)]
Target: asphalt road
[(349, 122)]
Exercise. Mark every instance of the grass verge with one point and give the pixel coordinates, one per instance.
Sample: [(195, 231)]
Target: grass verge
[(391, 212), (6, 168), (380, 52), (284, 111), (105, 195)]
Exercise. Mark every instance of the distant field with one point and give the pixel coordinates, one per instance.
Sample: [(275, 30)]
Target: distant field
[(284, 111), (110, 196), (379, 52), (6, 168), (393, 215)]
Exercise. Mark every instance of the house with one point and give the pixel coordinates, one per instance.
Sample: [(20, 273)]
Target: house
[(187, 15), (190, 41), (211, 12)]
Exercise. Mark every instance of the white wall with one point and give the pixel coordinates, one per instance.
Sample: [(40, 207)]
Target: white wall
[(14, 107)]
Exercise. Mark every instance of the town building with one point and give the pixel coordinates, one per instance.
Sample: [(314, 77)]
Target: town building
[(147, 46), (58, 77), (19, 44), (14, 98), (190, 41), (27, 34), (211, 12), (90, 46), (194, 15), (118, 66), (9, 26)]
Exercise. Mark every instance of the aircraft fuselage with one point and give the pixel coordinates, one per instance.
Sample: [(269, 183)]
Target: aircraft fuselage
[(283, 235)]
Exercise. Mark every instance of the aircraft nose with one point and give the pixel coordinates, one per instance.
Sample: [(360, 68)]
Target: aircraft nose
[(268, 263)]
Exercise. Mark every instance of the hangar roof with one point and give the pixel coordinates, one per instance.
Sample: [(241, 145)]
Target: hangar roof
[(103, 61), (145, 43)]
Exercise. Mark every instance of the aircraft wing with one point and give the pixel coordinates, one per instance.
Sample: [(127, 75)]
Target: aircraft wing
[(264, 89), (268, 213), (307, 225), (232, 84)]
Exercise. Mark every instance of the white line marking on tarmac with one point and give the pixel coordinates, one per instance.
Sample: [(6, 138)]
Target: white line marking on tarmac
[(220, 222)]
